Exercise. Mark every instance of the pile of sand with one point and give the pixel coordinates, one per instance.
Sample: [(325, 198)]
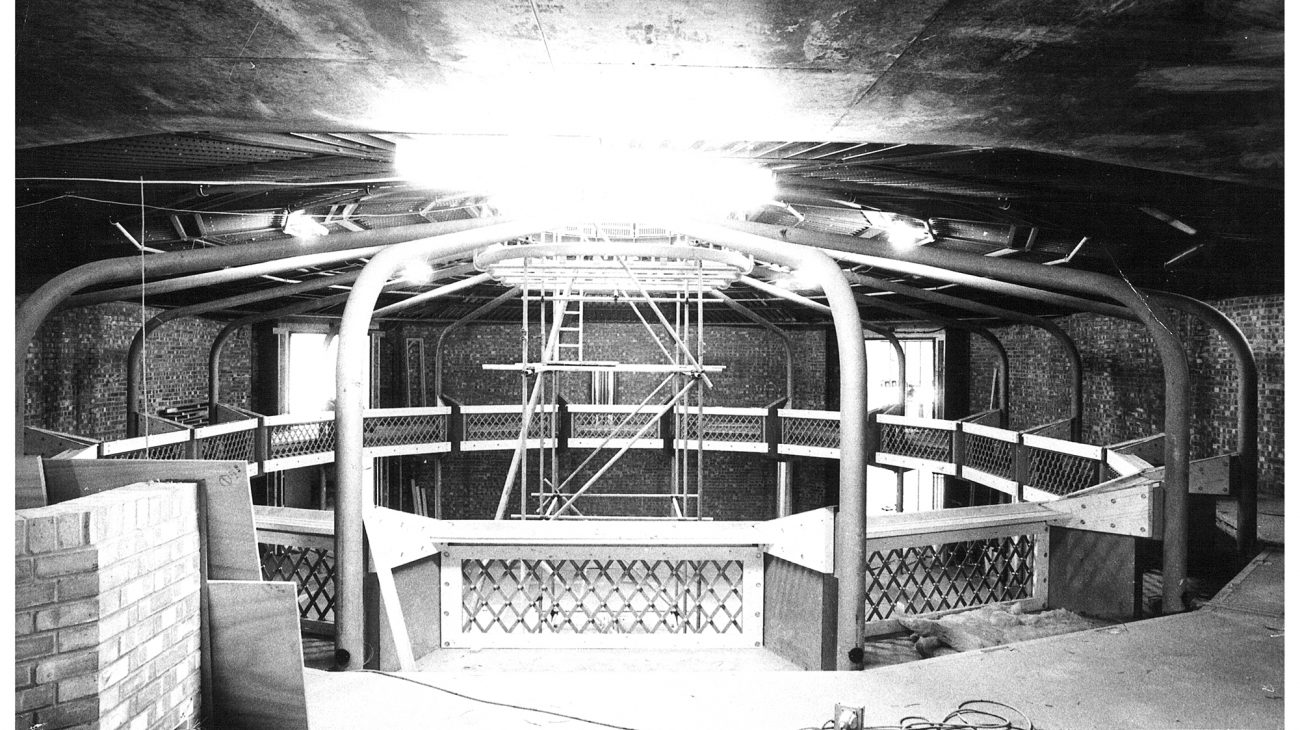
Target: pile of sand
[(990, 626)]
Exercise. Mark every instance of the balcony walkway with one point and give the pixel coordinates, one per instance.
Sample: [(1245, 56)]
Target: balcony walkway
[(1218, 667)]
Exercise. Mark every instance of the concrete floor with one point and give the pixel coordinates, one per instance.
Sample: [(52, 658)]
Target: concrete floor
[(1217, 667)]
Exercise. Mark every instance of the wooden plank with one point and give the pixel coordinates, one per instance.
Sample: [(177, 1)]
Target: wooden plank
[(1086, 451), (799, 614), (612, 532), (913, 523), (1000, 434), (108, 448), (257, 668), (47, 443), (1126, 464), (1211, 475), (231, 540), (29, 483), (806, 539), (1150, 449), (1007, 486), (943, 537), (911, 462), (1133, 511), (414, 411), (294, 519), (934, 424)]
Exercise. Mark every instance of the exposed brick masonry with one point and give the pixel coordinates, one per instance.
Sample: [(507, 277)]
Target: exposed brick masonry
[(107, 611), (76, 368)]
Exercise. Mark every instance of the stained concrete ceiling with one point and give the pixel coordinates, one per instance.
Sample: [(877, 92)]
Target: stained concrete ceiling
[(1173, 106)]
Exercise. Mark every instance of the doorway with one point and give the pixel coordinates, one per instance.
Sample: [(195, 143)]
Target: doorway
[(919, 490)]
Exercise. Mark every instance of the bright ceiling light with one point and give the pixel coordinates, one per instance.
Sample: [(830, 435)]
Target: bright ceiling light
[(902, 231), (584, 178), (301, 225), (416, 272)]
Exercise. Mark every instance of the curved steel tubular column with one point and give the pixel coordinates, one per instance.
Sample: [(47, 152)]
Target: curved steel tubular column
[(851, 522), (1247, 411), (135, 353), (850, 528), (36, 308), (442, 336), (351, 500), (1151, 314), (1067, 343)]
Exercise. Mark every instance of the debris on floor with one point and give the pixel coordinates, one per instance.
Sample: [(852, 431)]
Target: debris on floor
[(990, 626)]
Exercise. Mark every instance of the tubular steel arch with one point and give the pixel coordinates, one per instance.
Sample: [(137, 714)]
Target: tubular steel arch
[(1151, 314)]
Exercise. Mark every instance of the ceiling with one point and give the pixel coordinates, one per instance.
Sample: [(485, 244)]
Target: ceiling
[(1150, 131)]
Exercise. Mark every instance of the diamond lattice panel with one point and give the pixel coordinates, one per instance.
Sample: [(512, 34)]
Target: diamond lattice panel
[(609, 600), (927, 578)]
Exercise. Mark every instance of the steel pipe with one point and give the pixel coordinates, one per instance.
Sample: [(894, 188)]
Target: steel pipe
[(850, 528), (34, 310), (1067, 343), (1247, 411), (1177, 427)]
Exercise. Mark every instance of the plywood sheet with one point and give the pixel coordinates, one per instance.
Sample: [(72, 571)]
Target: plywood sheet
[(257, 668), (799, 614), (230, 539)]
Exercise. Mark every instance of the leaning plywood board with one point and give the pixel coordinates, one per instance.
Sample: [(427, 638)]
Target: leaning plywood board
[(29, 483), (257, 675), (231, 542)]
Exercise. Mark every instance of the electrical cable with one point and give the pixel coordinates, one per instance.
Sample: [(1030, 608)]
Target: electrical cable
[(495, 703), (969, 715)]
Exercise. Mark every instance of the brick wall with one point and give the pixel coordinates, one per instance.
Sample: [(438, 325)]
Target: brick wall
[(107, 611), (737, 486), (1124, 382), (753, 358), (76, 368)]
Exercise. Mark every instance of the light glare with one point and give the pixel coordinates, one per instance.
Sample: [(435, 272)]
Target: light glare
[(585, 179)]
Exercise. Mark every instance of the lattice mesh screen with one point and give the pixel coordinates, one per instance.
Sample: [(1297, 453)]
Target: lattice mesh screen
[(818, 432), (300, 439), (505, 426), (991, 456), (1060, 474), (717, 427), (603, 596), (926, 578), (933, 444), (600, 425), (236, 446), (312, 569), (405, 430)]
